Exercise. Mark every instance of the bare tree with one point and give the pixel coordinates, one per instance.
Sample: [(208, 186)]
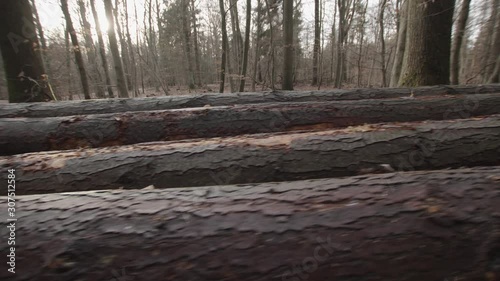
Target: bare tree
[(288, 48), (44, 50), (89, 48), (121, 81), (76, 49), (258, 23), (382, 41), (247, 45), (456, 46), (195, 44), (224, 46), (186, 30), (124, 46), (316, 47), (346, 13), (401, 43), (102, 49)]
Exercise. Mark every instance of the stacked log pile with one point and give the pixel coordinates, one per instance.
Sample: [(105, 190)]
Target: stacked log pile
[(367, 184)]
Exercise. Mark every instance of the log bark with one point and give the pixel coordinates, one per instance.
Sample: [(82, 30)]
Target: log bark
[(434, 225), (67, 108), (22, 135), (262, 158)]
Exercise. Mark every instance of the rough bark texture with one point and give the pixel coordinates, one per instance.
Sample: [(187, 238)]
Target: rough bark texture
[(316, 46), (22, 60), (67, 108), (440, 225), (20, 135), (288, 48), (262, 158), (427, 54), (224, 56)]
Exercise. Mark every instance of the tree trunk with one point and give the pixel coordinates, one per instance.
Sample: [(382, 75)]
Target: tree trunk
[(316, 47), (121, 81), (457, 42), (124, 47), (427, 54), (186, 31), (288, 52), (44, 53), (133, 67), (237, 41), (21, 56), (224, 46), (400, 45), (228, 99), (195, 44), (494, 60), (59, 133), (361, 42), (76, 50), (435, 225), (382, 42), (89, 47), (257, 40), (263, 158), (246, 47), (102, 49)]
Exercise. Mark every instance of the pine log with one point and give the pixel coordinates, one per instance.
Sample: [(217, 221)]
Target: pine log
[(414, 226), (262, 158), (21, 135), (68, 108)]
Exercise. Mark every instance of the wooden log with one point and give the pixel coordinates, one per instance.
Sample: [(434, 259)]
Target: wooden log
[(262, 158), (21, 135), (68, 108), (414, 226)]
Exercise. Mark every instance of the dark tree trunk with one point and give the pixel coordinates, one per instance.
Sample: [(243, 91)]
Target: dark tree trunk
[(195, 44), (288, 50), (263, 158), (428, 43), (246, 47), (102, 49), (76, 50), (186, 31), (437, 225), (494, 59), (173, 102), (21, 54), (59, 133), (456, 46), (224, 46), (316, 47)]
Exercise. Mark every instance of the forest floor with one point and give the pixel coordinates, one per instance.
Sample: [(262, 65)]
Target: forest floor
[(209, 88)]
